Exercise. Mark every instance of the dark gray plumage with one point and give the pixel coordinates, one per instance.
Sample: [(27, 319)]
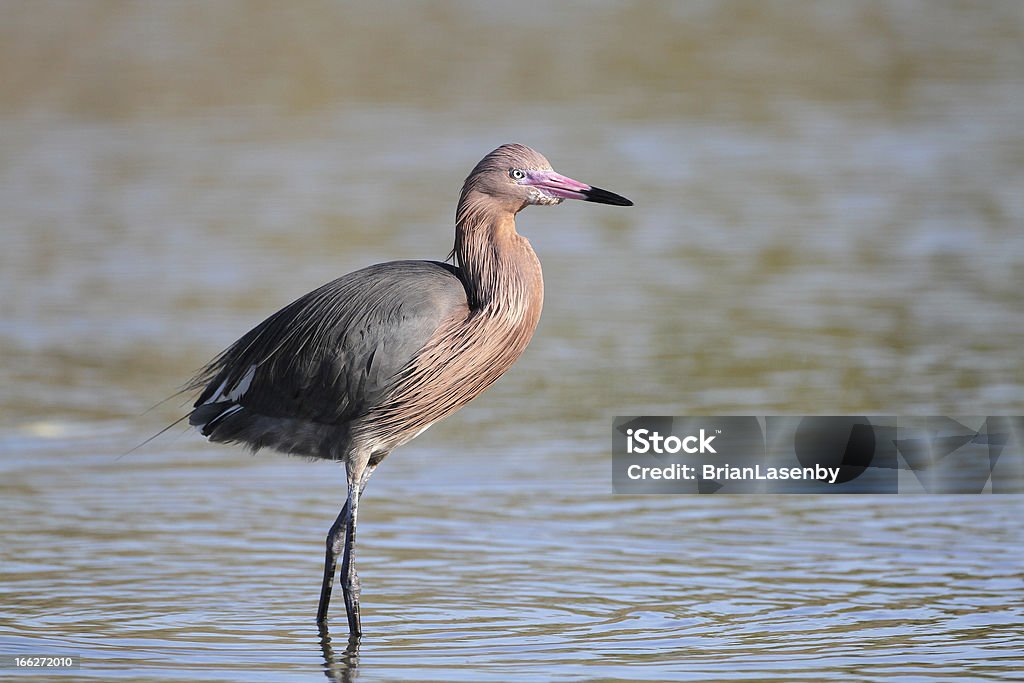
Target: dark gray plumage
[(315, 366), (365, 363)]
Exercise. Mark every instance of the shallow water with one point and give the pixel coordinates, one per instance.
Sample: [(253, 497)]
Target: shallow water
[(827, 221), (204, 565)]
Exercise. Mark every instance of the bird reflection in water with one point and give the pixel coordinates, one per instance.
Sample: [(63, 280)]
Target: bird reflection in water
[(340, 666)]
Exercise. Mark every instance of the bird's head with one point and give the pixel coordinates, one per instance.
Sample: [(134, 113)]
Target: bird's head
[(514, 176)]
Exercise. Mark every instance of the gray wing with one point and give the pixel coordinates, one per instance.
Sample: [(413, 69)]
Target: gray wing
[(311, 368)]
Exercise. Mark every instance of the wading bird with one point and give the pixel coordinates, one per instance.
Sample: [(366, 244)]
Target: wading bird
[(365, 363)]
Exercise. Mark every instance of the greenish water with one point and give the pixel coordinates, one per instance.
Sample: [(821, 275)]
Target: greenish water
[(828, 221)]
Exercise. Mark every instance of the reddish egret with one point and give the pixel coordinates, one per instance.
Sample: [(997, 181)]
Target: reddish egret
[(364, 364)]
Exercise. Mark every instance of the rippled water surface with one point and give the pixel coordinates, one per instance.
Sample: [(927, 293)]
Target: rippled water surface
[(828, 221), (205, 564)]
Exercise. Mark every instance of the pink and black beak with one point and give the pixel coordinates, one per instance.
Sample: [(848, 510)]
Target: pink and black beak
[(558, 186)]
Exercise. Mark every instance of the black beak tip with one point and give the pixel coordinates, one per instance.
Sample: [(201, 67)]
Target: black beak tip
[(596, 194)]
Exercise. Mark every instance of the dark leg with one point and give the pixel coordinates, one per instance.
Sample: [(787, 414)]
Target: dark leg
[(341, 541), (349, 578), (335, 541), (350, 587)]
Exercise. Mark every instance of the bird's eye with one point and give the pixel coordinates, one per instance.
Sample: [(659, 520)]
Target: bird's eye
[(516, 174)]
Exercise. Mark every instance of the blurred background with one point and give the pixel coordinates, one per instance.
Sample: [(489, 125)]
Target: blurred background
[(828, 220), (829, 203)]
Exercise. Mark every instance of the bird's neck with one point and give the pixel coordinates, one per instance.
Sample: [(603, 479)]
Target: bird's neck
[(500, 269)]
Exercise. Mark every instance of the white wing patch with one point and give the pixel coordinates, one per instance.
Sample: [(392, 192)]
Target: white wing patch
[(227, 413), (235, 392)]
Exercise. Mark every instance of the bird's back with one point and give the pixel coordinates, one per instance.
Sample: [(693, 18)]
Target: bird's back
[(299, 380)]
